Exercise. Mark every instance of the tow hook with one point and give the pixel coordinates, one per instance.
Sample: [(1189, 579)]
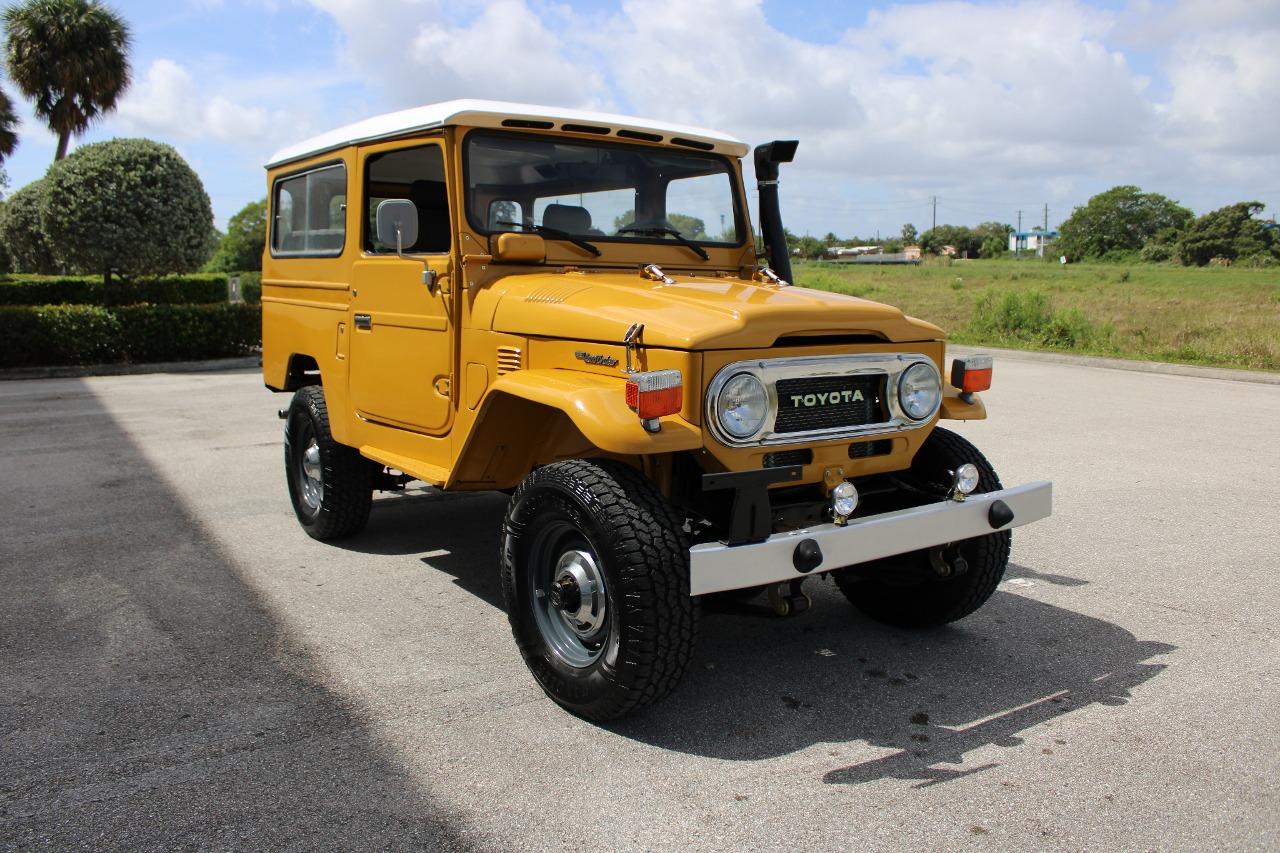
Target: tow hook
[(945, 568), (282, 414), (788, 598)]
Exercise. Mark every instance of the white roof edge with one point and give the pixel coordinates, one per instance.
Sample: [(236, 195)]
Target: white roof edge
[(478, 113)]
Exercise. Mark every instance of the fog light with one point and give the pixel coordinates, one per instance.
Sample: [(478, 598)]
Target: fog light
[(844, 500), (966, 478)]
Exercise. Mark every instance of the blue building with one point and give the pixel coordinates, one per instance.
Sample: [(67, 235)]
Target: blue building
[(1031, 241)]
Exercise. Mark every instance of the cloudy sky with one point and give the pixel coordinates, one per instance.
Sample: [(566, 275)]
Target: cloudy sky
[(992, 107)]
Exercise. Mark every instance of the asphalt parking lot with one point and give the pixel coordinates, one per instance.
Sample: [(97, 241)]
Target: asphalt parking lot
[(184, 668)]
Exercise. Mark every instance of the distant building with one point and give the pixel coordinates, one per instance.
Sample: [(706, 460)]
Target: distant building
[(912, 253), (1034, 240)]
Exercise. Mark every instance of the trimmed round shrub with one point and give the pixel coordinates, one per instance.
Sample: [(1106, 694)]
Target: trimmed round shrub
[(131, 206), (21, 233)]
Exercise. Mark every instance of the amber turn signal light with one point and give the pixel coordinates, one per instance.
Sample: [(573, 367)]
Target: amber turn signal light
[(971, 373), (655, 393)]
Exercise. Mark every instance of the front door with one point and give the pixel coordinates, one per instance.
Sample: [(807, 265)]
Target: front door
[(401, 336)]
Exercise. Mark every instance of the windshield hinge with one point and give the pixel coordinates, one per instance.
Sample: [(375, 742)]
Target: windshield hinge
[(653, 272), (768, 276)]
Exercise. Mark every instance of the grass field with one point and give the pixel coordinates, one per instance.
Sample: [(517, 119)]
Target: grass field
[(1223, 316)]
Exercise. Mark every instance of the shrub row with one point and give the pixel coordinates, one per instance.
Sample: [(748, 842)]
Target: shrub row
[(250, 286), (191, 289), (50, 335)]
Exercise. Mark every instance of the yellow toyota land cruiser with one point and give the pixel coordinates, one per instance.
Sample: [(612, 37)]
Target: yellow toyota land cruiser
[(569, 306)]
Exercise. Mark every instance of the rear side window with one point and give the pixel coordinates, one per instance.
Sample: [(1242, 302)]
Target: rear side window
[(310, 213)]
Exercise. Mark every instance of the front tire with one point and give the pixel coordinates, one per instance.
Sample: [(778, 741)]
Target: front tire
[(595, 578), (330, 484), (905, 590)]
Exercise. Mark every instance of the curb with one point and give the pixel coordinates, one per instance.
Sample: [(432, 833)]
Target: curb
[(75, 371), (1257, 377)]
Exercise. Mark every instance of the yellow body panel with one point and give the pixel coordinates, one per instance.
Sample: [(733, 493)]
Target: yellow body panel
[(509, 364)]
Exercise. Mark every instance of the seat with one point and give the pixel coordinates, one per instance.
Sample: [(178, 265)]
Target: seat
[(568, 218)]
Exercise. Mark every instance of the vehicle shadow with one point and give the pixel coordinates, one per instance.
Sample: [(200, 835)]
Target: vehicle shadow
[(763, 686), (149, 698), (453, 532)]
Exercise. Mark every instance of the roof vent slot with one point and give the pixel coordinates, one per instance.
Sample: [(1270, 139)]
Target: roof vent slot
[(527, 122), (692, 143), (640, 134), (584, 128)]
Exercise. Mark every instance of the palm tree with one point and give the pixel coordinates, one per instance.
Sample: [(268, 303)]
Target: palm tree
[(69, 56), (8, 125)]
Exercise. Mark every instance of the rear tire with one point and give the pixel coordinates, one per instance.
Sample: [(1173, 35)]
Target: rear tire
[(330, 484), (904, 590), (595, 578)]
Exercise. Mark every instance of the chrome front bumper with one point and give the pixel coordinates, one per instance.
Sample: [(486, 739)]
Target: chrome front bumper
[(714, 567)]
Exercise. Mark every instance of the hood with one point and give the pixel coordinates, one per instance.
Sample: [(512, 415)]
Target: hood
[(696, 312)]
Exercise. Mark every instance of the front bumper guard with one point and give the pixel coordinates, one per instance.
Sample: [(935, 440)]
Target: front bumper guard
[(715, 567)]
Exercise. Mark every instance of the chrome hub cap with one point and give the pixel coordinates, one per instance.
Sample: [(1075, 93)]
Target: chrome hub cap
[(572, 611), (312, 481)]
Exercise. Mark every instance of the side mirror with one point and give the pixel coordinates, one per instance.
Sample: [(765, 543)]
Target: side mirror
[(397, 223)]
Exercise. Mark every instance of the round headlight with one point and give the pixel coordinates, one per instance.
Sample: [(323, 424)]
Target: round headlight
[(920, 390), (742, 406)]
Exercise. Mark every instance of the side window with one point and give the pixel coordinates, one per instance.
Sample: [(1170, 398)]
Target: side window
[(310, 214), (416, 174)]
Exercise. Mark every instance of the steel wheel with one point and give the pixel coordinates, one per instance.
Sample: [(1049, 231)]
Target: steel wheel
[(570, 599), (595, 579), (330, 485), (311, 475)]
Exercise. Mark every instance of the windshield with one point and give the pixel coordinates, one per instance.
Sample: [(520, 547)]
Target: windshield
[(600, 191)]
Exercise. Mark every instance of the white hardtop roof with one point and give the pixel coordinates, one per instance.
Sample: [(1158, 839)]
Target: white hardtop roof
[(492, 114)]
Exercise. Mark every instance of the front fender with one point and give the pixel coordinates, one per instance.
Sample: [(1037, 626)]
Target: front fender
[(597, 407)]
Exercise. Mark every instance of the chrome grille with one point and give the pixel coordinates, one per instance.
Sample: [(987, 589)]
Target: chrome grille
[(874, 375)]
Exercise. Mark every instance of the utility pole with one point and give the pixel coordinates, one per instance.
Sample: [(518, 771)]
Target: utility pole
[(1017, 239), (935, 212), (1045, 236)]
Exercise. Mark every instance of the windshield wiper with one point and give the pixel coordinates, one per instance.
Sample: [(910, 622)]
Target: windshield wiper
[(662, 229), (555, 233)]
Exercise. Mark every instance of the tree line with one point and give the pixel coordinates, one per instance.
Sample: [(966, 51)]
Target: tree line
[(987, 240), (1124, 223)]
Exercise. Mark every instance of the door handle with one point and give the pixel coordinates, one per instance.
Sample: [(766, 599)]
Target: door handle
[(364, 321)]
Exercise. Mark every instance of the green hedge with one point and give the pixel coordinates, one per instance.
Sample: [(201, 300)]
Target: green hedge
[(49, 335), (190, 289), (250, 286)]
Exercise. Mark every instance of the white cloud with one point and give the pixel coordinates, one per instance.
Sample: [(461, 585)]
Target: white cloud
[(1017, 99), (421, 51), (168, 102)]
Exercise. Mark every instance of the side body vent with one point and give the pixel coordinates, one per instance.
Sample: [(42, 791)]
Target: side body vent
[(509, 359)]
